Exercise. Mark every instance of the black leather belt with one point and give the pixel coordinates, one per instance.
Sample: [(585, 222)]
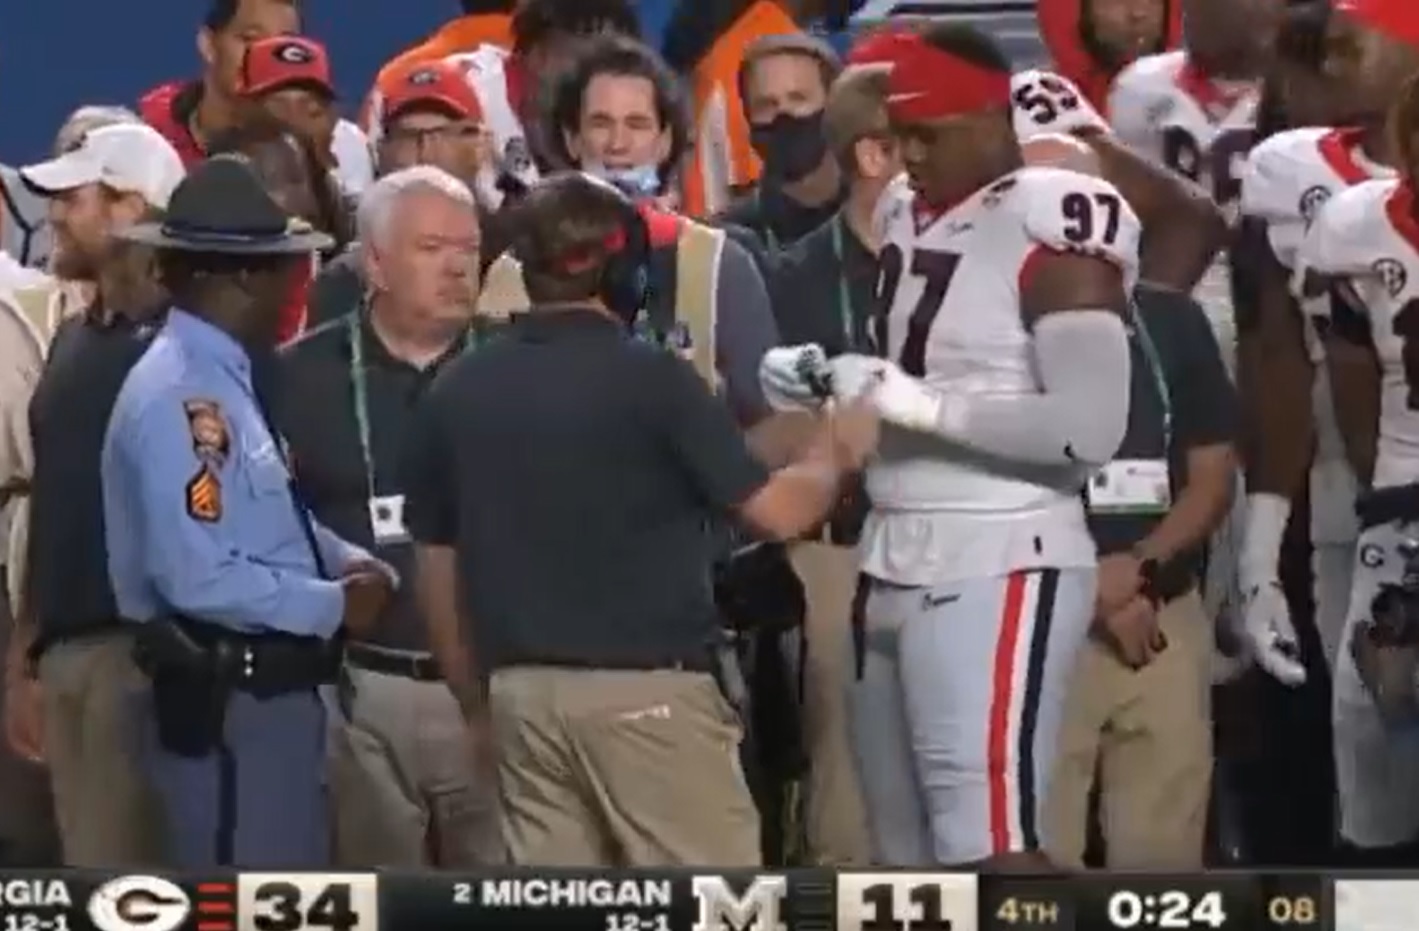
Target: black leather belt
[(420, 667), (703, 663)]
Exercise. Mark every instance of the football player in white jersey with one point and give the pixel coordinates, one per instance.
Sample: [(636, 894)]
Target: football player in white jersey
[(1287, 179), (1364, 243), (1006, 382), (1185, 228)]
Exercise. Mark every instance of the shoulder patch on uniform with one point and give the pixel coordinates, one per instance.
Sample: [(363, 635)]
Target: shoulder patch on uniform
[(204, 496), (210, 439)]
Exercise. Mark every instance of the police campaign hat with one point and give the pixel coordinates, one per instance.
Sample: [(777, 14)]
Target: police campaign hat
[(222, 207)]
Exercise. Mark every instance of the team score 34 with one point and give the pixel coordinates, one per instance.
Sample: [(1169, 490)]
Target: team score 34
[(1284, 910), (1089, 221), (281, 906)]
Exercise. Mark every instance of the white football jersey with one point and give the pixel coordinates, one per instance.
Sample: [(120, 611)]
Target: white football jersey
[(952, 286), (1285, 182), (1367, 237), (1160, 107)]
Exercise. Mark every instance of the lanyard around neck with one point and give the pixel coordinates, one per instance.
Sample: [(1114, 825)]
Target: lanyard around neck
[(359, 387), (844, 292), (1154, 361)]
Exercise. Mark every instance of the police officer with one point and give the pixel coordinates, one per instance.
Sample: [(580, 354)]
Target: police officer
[(561, 478), (236, 590)]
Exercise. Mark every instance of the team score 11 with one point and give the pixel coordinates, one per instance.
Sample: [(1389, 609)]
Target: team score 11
[(923, 909), (1171, 909), (281, 906), (1285, 910)]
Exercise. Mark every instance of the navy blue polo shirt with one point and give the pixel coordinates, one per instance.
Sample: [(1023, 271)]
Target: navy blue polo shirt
[(575, 470)]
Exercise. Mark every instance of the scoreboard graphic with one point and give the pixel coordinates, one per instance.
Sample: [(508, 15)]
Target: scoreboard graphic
[(684, 900)]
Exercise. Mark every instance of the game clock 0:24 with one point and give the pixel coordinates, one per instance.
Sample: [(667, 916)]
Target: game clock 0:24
[(1169, 908)]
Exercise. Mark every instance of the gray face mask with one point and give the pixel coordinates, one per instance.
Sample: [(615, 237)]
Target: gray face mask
[(637, 182)]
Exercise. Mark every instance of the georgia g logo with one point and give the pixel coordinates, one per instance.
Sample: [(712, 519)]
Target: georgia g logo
[(1392, 275), (1312, 200), (139, 903)]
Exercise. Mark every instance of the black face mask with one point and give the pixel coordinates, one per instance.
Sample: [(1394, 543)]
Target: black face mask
[(791, 146)]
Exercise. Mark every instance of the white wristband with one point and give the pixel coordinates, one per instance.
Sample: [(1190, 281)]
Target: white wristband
[(1265, 528)]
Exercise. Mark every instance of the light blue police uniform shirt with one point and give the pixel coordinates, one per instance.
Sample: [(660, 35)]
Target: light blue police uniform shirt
[(244, 563)]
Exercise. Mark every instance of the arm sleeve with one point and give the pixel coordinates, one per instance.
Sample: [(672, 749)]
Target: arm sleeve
[(200, 566), (1081, 412), (1270, 194), (702, 436), (431, 496), (745, 329)]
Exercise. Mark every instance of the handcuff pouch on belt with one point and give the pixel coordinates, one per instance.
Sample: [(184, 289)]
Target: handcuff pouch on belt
[(756, 588), (194, 670)]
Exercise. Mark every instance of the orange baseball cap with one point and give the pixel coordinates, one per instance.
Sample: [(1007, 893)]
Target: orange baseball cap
[(440, 84), (285, 61)]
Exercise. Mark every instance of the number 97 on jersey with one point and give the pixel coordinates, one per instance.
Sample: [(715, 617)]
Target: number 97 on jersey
[(307, 902)]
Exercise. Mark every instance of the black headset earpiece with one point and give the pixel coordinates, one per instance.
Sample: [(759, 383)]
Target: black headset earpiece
[(625, 278)]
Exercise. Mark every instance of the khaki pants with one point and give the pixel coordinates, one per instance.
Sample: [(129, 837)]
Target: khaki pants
[(1148, 736), (618, 768), (95, 700), (29, 836), (402, 779), (836, 821)]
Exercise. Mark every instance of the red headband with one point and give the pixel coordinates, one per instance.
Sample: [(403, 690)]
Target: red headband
[(576, 261), (927, 83), (1398, 19), (877, 48)]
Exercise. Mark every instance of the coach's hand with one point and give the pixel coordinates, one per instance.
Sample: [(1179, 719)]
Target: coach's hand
[(1270, 636), (1133, 632), (1119, 582), (783, 374)]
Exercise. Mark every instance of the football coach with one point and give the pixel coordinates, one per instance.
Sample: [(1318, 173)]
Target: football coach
[(560, 483)]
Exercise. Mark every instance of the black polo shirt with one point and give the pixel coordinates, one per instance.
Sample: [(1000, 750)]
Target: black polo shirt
[(575, 469), (1204, 413), (822, 288), (317, 416), (89, 359), (777, 219)]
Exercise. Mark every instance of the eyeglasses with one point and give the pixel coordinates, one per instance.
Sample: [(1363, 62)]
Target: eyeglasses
[(450, 132)]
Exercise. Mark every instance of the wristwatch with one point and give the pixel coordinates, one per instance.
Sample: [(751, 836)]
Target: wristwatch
[(1148, 574)]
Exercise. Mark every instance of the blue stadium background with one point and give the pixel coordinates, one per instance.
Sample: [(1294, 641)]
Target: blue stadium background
[(58, 54)]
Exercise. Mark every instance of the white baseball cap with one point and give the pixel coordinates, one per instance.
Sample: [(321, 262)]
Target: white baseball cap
[(127, 157)]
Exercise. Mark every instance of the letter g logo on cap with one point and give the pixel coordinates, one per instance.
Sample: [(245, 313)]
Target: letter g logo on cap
[(139, 903)]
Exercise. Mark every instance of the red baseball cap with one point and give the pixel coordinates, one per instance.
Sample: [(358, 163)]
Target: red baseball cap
[(285, 61), (442, 84)]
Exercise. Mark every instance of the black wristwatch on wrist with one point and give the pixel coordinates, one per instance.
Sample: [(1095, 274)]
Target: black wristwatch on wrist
[(1148, 574)]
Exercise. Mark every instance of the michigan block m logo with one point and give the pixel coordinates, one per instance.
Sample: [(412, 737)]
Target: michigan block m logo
[(760, 908)]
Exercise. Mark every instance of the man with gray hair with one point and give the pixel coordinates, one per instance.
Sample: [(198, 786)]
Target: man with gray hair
[(404, 788)]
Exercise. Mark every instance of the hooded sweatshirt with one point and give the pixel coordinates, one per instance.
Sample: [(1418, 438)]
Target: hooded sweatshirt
[(1063, 29)]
